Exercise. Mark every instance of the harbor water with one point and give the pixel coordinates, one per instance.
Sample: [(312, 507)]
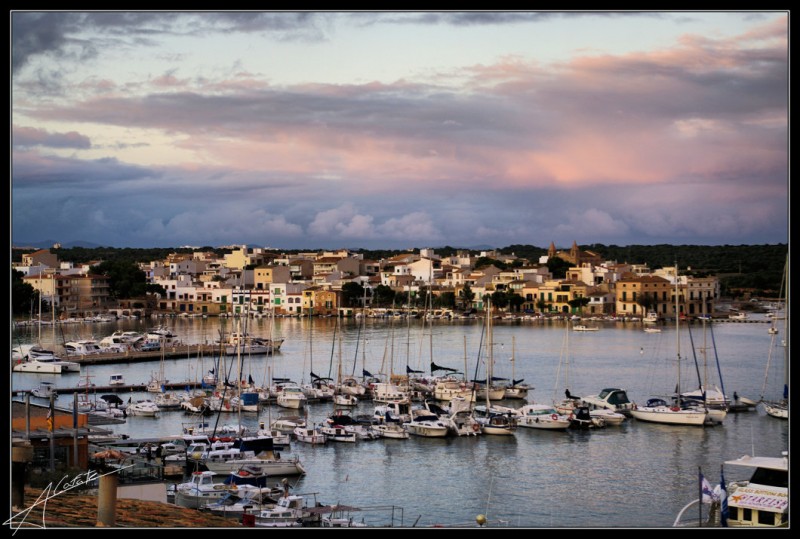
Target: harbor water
[(637, 475)]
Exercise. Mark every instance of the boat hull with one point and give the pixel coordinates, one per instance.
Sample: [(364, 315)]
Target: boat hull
[(37, 367), (670, 417)]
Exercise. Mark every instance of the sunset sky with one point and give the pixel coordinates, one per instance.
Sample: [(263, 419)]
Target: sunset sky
[(399, 129)]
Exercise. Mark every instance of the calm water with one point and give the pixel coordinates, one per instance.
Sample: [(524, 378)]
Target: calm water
[(638, 475)]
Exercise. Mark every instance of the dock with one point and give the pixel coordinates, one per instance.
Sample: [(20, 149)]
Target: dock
[(136, 356), (125, 388)]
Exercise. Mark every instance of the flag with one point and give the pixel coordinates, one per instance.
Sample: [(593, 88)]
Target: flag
[(723, 497), (705, 488), (50, 419), (366, 373)]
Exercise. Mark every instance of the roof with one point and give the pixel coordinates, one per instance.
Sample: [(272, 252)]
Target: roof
[(772, 463)]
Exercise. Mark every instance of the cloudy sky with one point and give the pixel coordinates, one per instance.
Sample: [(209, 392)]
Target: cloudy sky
[(399, 130)]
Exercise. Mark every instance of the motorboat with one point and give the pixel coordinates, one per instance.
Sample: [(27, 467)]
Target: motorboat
[(387, 392), (199, 490), (243, 499), (541, 416), (289, 512), (581, 418), (458, 417), (582, 327), (391, 429), (85, 347), (350, 386), (251, 451), (338, 433), (287, 424), (114, 344), (610, 398), (392, 411), (608, 417), (650, 318), (343, 399), (427, 424), (291, 396), (45, 390), (310, 436), (145, 408), (246, 345)]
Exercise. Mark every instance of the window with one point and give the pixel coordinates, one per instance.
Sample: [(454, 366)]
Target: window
[(766, 517)]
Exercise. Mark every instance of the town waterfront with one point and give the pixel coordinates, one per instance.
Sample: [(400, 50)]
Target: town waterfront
[(638, 475)]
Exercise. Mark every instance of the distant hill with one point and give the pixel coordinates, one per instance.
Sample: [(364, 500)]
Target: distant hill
[(48, 244)]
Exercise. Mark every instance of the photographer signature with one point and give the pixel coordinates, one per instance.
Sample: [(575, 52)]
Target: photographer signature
[(17, 520)]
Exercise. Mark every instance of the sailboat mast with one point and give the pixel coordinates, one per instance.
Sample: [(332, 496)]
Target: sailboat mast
[(490, 355), (677, 335)]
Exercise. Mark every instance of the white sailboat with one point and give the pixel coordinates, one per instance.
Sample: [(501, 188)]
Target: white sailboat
[(711, 399), (657, 410), (493, 422), (779, 408), (517, 390)]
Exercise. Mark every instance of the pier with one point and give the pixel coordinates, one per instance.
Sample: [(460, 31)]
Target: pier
[(136, 356)]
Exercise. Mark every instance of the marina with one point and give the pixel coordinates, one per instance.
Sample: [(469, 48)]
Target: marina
[(449, 481)]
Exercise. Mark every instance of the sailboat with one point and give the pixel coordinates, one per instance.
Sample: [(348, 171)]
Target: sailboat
[(493, 421), (779, 408), (517, 390), (339, 398), (657, 410), (711, 399), (572, 408)]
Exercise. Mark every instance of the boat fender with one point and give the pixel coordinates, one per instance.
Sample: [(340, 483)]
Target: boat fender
[(476, 427), (554, 417), (675, 409), (196, 456)]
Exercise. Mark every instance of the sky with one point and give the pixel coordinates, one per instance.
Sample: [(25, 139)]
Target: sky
[(396, 130)]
